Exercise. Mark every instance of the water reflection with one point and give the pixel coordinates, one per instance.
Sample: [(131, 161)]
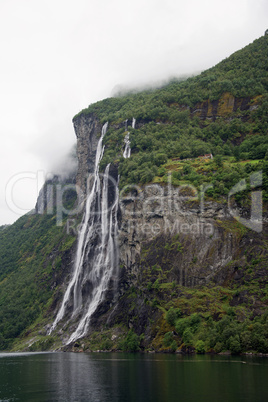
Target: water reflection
[(131, 377)]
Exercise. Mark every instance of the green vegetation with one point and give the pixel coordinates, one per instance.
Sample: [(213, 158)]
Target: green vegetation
[(32, 251), (131, 342), (222, 111), (42, 344), (207, 335), (172, 315), (209, 319), (204, 319), (244, 74)]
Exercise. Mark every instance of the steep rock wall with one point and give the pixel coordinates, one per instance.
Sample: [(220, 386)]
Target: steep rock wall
[(87, 129), (159, 227), (190, 243)]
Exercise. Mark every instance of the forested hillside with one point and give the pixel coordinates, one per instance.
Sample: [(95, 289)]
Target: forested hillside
[(222, 111), (33, 254)]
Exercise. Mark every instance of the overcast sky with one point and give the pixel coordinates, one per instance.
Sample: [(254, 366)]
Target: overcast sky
[(59, 56)]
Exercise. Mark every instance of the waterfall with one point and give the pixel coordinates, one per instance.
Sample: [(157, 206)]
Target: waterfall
[(104, 260), (97, 254), (127, 150)]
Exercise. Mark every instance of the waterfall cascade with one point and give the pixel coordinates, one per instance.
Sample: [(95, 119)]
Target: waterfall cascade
[(127, 150), (97, 251)]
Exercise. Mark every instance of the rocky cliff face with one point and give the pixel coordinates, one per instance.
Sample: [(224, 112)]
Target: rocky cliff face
[(87, 130), (224, 107), (160, 227), (156, 213), (164, 238)]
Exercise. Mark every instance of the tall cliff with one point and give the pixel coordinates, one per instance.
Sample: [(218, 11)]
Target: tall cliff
[(159, 240), (168, 243), (87, 129)]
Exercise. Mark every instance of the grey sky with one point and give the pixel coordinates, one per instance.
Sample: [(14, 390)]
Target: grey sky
[(59, 56)]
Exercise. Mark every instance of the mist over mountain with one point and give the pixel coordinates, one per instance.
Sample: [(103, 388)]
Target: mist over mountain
[(127, 89)]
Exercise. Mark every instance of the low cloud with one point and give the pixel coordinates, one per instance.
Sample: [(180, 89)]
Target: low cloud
[(67, 165)]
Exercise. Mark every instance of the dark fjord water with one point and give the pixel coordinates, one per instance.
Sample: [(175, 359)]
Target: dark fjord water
[(111, 377)]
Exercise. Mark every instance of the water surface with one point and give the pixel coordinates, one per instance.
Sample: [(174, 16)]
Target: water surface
[(111, 377)]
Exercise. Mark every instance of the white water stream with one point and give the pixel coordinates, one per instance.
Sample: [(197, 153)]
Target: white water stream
[(127, 150), (97, 252)]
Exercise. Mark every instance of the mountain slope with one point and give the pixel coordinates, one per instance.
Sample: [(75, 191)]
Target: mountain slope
[(175, 288), (223, 111)]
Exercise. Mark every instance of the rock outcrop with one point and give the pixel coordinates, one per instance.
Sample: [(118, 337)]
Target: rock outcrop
[(186, 238)]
